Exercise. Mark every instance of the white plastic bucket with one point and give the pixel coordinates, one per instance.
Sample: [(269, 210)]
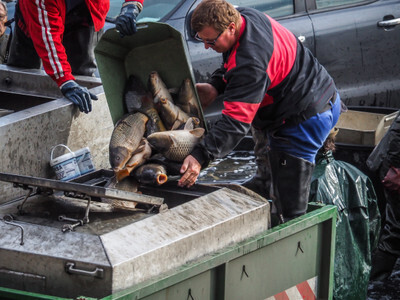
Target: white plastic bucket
[(65, 166), (84, 160)]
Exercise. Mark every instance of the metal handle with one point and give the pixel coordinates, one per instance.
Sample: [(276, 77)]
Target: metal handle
[(390, 118), (9, 220), (388, 23), (70, 268)]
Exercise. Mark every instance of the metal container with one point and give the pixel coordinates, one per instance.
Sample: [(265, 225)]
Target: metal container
[(40, 118), (281, 261), (116, 249)]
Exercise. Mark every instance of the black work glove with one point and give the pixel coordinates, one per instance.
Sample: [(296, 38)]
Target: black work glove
[(79, 95), (126, 21)]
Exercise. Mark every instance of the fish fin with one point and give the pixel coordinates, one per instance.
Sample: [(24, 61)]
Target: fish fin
[(191, 123), (132, 165), (198, 132), (174, 140), (176, 125), (121, 174)]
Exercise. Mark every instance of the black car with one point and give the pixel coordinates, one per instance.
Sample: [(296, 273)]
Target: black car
[(357, 41)]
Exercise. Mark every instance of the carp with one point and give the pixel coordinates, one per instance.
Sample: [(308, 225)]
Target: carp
[(125, 139), (151, 174), (158, 88), (136, 97), (170, 114), (187, 100), (176, 144), (139, 157), (155, 124)]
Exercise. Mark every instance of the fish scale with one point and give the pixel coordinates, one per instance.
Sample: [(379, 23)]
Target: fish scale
[(176, 144), (125, 138)]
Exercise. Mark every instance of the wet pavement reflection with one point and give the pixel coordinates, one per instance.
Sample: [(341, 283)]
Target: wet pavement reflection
[(239, 166)]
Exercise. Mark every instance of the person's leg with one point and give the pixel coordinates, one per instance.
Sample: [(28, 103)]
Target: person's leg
[(292, 157), (291, 178), (261, 181), (79, 41), (22, 52)]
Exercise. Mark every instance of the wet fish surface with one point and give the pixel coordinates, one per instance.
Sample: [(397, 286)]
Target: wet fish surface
[(151, 173), (139, 157), (158, 88), (171, 115), (125, 139), (187, 99), (176, 144)]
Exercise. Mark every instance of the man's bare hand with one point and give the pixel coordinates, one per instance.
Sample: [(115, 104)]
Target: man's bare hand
[(190, 170)]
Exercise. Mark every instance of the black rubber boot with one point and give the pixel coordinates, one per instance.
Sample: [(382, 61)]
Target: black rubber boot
[(261, 181), (291, 178), (382, 265)]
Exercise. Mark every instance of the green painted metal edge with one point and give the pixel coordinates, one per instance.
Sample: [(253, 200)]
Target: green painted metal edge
[(6, 293), (323, 214)]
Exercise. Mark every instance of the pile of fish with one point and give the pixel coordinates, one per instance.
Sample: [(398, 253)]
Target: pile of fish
[(159, 131)]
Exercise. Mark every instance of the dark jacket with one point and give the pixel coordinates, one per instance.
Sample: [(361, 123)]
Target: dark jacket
[(268, 79)]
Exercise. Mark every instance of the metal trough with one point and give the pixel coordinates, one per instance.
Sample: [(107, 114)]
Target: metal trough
[(38, 117), (117, 250)]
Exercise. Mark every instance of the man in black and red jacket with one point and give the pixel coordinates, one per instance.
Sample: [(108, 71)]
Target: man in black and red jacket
[(271, 84), (62, 34)]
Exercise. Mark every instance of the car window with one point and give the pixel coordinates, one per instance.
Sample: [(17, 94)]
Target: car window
[(154, 10), (274, 8), (330, 3)]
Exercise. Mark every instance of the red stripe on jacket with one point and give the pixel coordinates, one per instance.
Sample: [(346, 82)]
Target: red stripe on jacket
[(283, 57), (240, 111)]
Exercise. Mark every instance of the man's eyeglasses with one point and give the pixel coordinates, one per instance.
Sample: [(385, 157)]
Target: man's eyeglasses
[(211, 43), (2, 17)]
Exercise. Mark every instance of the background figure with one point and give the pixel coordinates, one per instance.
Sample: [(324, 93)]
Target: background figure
[(62, 35), (3, 35), (385, 159), (358, 224)]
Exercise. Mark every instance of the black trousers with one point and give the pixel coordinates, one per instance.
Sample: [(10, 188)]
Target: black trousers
[(79, 40)]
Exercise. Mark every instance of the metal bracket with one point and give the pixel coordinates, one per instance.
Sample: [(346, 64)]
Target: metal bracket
[(8, 219), (79, 222)]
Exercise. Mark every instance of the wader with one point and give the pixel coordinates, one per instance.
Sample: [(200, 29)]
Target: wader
[(281, 177)]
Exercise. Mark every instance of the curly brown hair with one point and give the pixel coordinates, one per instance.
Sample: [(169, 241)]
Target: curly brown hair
[(215, 13)]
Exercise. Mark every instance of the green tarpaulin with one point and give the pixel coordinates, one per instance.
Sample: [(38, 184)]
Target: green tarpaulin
[(358, 223)]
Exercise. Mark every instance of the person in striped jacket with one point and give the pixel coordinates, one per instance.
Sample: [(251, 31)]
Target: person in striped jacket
[(62, 35)]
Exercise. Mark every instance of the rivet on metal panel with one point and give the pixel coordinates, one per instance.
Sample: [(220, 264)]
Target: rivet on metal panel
[(244, 272), (299, 247), (190, 295), (7, 81)]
